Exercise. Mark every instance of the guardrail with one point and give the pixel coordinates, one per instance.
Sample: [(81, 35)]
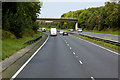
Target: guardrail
[(105, 40), (33, 40)]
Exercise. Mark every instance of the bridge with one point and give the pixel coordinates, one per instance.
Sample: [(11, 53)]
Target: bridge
[(60, 20)]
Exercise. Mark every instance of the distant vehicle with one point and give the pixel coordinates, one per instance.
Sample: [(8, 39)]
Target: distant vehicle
[(53, 32), (79, 29), (43, 30), (71, 30), (61, 32), (65, 33)]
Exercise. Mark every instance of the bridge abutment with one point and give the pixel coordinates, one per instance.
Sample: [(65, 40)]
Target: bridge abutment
[(76, 26)]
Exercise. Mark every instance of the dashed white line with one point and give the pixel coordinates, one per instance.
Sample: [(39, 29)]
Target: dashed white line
[(74, 53), (70, 48), (23, 66), (76, 56), (80, 62), (92, 78), (67, 44)]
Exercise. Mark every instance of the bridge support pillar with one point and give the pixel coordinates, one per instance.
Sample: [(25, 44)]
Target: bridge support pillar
[(76, 26)]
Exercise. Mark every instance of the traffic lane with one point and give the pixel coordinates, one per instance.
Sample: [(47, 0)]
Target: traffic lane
[(54, 60), (97, 61), (106, 36), (109, 36)]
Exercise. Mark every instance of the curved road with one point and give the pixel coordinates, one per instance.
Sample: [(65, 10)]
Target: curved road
[(71, 57)]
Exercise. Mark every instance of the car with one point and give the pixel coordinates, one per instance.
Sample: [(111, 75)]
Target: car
[(79, 29), (71, 30), (61, 32), (53, 32), (65, 33), (43, 30)]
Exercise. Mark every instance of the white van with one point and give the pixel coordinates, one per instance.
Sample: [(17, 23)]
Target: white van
[(53, 32)]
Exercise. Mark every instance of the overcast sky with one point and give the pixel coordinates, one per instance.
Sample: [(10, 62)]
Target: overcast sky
[(55, 8)]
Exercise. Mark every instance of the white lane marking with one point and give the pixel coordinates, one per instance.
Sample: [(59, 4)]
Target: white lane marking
[(70, 48), (80, 62), (92, 78), (74, 53), (100, 46), (76, 56), (23, 66), (68, 44)]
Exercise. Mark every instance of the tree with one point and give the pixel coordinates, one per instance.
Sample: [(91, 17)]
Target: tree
[(19, 16)]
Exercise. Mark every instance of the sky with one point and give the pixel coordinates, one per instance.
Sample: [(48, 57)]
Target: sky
[(55, 8)]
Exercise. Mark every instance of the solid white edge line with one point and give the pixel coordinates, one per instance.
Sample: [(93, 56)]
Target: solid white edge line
[(23, 66), (100, 46)]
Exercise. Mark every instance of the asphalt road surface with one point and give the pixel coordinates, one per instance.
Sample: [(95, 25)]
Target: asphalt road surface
[(71, 57), (104, 36)]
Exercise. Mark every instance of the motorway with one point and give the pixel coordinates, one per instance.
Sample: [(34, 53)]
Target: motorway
[(71, 57), (103, 36)]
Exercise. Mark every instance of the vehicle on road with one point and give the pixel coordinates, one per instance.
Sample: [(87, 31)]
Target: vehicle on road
[(61, 32), (79, 29), (71, 30), (53, 32), (65, 33), (43, 30)]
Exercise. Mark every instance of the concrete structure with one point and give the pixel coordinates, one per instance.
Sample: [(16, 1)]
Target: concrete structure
[(76, 26), (60, 20)]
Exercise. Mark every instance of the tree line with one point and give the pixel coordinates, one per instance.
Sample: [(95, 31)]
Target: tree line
[(19, 18), (100, 18)]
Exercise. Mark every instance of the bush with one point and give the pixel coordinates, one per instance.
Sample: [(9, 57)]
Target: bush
[(7, 35)]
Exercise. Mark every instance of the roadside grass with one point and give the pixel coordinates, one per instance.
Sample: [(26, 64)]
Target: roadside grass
[(10, 46), (104, 32), (115, 47)]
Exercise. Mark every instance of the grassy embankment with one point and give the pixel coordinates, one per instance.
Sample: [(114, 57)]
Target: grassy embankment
[(98, 42), (12, 45)]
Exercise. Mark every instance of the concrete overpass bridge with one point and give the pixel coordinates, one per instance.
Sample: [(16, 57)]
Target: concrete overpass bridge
[(60, 20)]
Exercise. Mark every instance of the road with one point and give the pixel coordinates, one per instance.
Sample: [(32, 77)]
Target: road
[(104, 36), (71, 57)]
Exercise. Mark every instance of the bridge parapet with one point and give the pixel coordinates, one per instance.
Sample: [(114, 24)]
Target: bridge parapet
[(58, 19)]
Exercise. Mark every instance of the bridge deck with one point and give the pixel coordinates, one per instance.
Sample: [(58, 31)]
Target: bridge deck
[(58, 19)]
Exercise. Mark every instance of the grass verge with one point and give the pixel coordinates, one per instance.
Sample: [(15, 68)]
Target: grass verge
[(115, 47), (10, 46)]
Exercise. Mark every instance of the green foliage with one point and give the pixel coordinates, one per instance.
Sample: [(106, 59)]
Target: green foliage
[(6, 35), (100, 18), (10, 45), (19, 16)]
